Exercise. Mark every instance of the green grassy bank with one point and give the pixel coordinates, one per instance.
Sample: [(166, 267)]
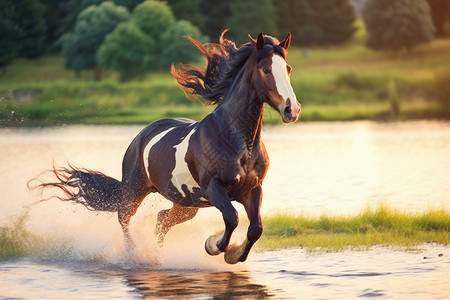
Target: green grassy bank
[(381, 226), (347, 82)]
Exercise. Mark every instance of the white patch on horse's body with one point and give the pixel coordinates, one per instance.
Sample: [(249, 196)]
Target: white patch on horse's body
[(282, 82), (149, 146), (181, 174)]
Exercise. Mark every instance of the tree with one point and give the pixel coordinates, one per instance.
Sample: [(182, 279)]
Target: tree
[(216, 12), (397, 24), (297, 17), (334, 19), (440, 11), (251, 17), (176, 47), (153, 18), (80, 47), (30, 14), (188, 10), (22, 21), (127, 50), (56, 17), (66, 11), (10, 34)]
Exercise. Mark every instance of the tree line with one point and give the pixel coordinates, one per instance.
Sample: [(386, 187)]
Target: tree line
[(135, 36)]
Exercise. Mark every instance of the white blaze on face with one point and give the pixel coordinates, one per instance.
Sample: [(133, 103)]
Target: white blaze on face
[(282, 83), (149, 146), (181, 174)]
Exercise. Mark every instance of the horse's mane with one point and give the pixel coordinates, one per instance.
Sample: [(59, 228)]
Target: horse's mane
[(224, 61)]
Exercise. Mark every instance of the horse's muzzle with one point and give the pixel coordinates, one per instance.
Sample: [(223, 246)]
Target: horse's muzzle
[(291, 113)]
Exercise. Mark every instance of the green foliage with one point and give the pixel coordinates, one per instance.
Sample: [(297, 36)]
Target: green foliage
[(440, 11), (405, 24), (146, 43), (10, 34), (62, 15), (297, 17), (217, 13), (22, 29), (188, 10), (80, 47), (57, 15), (153, 18), (334, 20), (30, 18), (251, 17), (177, 48), (127, 50)]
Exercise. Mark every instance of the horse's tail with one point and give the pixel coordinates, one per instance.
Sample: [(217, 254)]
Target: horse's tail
[(93, 189)]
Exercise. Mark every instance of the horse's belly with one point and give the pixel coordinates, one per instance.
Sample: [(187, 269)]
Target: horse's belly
[(186, 192)]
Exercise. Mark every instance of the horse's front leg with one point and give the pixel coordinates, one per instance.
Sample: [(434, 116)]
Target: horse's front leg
[(218, 196), (252, 206)]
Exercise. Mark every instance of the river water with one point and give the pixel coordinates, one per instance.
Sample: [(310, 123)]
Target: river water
[(316, 168)]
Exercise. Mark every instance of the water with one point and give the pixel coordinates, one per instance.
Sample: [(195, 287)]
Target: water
[(287, 274), (335, 168)]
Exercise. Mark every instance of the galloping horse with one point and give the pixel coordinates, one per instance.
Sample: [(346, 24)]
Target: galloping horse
[(212, 162)]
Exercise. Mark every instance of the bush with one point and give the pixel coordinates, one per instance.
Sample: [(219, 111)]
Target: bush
[(397, 24), (334, 20), (297, 17), (22, 29), (80, 47), (153, 18), (177, 48), (127, 50), (251, 17)]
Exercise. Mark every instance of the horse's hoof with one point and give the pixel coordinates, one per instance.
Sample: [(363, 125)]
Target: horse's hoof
[(211, 244), (233, 254)]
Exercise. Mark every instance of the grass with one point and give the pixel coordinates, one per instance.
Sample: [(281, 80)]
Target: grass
[(381, 226), (344, 82)]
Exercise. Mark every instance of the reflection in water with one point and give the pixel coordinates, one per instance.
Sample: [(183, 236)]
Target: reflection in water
[(285, 274), (174, 284)]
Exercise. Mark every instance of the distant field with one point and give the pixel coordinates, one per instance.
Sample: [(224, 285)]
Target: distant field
[(346, 82)]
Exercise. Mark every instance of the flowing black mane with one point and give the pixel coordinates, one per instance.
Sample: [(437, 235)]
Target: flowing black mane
[(224, 61)]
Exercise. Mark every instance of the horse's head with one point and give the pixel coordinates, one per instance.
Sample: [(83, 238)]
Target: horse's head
[(272, 77)]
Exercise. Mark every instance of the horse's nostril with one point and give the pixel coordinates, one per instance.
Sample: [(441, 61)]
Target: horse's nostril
[(287, 110)]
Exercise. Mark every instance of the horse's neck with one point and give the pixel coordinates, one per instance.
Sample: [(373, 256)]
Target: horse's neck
[(244, 109)]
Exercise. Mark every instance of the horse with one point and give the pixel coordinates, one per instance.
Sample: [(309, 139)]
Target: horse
[(208, 163)]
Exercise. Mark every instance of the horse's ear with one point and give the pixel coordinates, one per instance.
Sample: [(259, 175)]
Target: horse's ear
[(252, 41), (287, 41), (260, 42)]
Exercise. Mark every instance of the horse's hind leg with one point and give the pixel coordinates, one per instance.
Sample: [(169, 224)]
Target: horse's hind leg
[(135, 187), (127, 209), (170, 217)]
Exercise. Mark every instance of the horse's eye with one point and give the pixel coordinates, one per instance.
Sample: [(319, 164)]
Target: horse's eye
[(266, 71)]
